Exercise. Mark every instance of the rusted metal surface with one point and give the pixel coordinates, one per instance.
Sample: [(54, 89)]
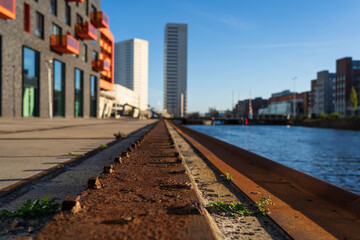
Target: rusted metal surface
[(141, 199), (306, 207)]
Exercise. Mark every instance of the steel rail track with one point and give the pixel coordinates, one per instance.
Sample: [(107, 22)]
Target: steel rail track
[(306, 207)]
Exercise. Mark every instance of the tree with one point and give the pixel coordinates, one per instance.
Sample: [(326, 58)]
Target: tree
[(353, 99), (213, 112)]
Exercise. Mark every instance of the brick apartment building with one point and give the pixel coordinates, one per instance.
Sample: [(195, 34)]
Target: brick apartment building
[(55, 57), (347, 76)]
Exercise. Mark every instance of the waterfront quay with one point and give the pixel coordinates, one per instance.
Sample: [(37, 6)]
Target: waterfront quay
[(165, 174)]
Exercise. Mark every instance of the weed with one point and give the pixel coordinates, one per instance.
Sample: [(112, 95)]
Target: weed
[(61, 167), (235, 209), (103, 146), (74, 153), (32, 210), (262, 204), (119, 135), (228, 177)]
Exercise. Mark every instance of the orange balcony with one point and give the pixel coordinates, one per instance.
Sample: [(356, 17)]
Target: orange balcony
[(64, 44), (101, 65), (99, 19), (86, 31), (7, 9)]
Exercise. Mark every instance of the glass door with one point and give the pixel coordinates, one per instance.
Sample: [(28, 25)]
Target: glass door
[(93, 96), (30, 83), (59, 89)]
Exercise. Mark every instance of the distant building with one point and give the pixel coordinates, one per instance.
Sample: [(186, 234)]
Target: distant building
[(312, 97), (347, 76), (281, 94), (131, 67), (242, 109), (322, 93), (124, 101), (283, 104), (175, 69)]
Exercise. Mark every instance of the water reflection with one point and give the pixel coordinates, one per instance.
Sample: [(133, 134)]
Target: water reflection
[(329, 154)]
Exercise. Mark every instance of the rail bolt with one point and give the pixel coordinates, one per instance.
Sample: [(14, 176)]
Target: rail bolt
[(108, 169), (93, 183), (118, 159), (125, 154), (178, 160), (71, 204)]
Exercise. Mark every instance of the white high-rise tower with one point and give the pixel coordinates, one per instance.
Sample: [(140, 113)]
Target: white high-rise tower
[(175, 69), (131, 67)]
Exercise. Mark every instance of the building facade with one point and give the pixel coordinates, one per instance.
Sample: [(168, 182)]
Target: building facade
[(242, 108), (175, 69), (347, 76), (322, 93), (50, 62), (283, 104), (131, 67)]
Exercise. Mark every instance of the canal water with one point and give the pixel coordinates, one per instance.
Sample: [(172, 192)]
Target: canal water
[(329, 154)]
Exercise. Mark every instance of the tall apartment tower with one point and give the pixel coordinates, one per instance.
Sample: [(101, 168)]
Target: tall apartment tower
[(175, 69), (347, 76), (131, 67), (322, 93)]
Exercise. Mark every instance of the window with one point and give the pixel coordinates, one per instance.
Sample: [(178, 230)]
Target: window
[(93, 96), (30, 96), (59, 89), (39, 30), (26, 17), (56, 29), (67, 14), (53, 7), (86, 3), (85, 52), (93, 12), (79, 18), (79, 83), (95, 55)]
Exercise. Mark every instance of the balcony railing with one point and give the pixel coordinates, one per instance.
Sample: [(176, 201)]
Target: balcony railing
[(101, 65), (64, 44), (86, 31), (99, 19), (76, 1), (7, 9)]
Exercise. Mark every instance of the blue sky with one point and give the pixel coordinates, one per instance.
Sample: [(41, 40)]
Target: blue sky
[(241, 46)]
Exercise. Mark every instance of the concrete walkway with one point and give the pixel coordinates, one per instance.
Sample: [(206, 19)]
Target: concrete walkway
[(30, 146)]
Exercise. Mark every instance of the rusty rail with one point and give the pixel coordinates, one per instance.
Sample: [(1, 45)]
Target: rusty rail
[(306, 207)]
